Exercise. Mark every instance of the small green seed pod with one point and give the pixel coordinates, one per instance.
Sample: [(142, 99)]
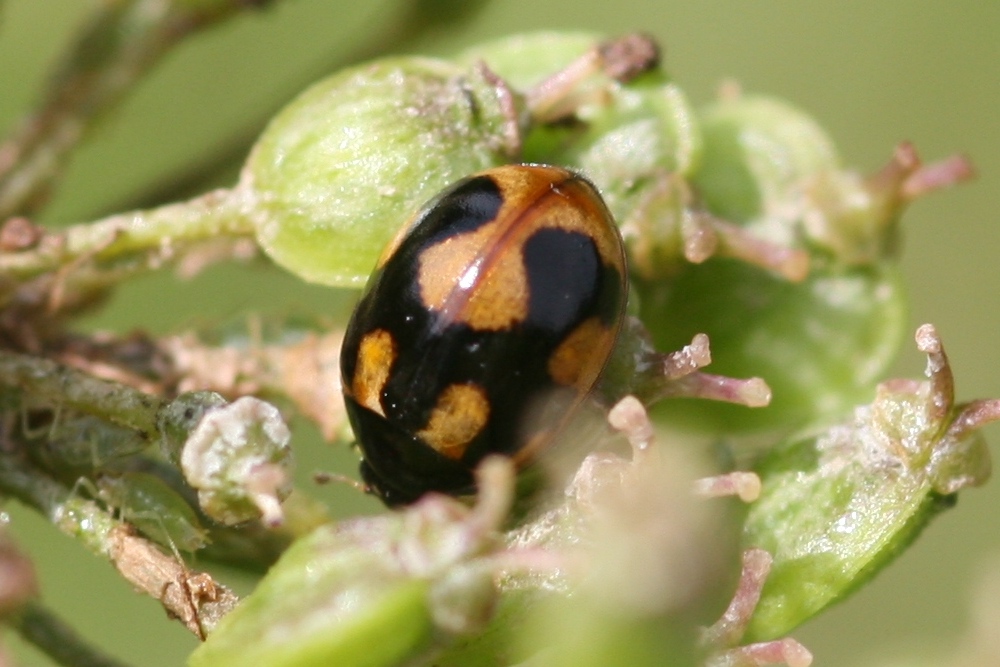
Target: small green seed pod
[(635, 140), (839, 506), (376, 591), (638, 146), (820, 344), (644, 127), (821, 341), (339, 170), (757, 151), (525, 60), (772, 169)]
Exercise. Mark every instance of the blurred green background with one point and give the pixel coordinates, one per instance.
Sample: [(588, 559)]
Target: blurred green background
[(873, 73)]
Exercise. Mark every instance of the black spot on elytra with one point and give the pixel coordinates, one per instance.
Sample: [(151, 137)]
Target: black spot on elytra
[(466, 206), (564, 274)]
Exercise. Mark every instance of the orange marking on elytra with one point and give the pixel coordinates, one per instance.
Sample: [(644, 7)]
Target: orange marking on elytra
[(461, 412), (376, 354)]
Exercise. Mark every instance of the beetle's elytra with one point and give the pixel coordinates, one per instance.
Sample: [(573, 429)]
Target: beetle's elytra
[(486, 323)]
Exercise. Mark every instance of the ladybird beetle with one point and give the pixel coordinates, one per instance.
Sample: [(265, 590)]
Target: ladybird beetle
[(486, 323)]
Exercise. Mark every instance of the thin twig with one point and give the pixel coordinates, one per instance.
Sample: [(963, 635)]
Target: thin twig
[(194, 598), (150, 238), (121, 43), (32, 487), (41, 627), (401, 30), (42, 382)]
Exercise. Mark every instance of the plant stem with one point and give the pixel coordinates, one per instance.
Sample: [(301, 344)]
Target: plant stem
[(194, 598), (148, 238), (41, 627), (122, 41), (30, 486), (45, 382), (402, 29)]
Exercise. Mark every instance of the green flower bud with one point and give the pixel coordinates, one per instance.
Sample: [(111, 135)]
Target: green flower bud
[(235, 455), (757, 151), (641, 130), (771, 168), (525, 60), (637, 146), (837, 507), (820, 344), (327, 601), (343, 166), (854, 218), (378, 591), (634, 140)]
